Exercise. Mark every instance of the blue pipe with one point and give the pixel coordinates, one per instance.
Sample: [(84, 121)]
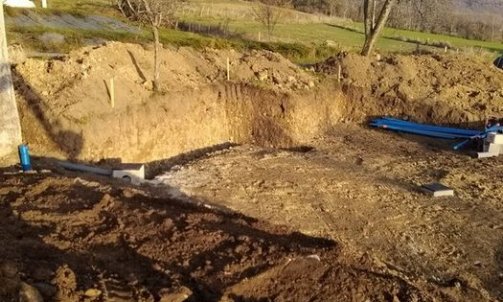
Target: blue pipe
[(435, 131), (469, 132), (24, 157), (418, 131), (432, 127)]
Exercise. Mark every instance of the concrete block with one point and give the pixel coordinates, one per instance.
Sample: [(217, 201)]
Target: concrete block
[(493, 148), (437, 190), (486, 154), (133, 172), (495, 138)]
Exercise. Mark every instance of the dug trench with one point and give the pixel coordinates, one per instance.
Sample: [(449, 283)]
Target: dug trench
[(295, 163)]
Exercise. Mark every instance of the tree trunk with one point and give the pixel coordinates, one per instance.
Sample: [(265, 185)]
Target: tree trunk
[(366, 16), (157, 63), (372, 35)]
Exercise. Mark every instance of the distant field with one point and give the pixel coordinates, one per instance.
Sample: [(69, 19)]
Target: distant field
[(299, 36), (306, 28)]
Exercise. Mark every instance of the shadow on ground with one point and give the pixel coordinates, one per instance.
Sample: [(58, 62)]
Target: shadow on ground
[(76, 234)]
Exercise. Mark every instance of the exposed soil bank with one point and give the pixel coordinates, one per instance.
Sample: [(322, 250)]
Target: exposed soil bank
[(65, 104), (66, 111)]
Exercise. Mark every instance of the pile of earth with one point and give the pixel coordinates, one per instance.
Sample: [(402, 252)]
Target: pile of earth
[(440, 88), (66, 238), (80, 75), (66, 110)]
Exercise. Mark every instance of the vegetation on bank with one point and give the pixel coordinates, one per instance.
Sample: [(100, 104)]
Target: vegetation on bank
[(301, 37)]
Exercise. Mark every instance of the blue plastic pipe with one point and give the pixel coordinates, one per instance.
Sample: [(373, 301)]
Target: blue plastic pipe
[(434, 131), (24, 157), (419, 131), (467, 132)]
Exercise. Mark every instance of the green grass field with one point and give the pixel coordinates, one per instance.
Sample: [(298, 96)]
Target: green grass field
[(301, 37)]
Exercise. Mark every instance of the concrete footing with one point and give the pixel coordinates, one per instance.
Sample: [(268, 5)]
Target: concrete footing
[(133, 172)]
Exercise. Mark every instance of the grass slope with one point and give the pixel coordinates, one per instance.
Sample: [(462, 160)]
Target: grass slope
[(301, 37)]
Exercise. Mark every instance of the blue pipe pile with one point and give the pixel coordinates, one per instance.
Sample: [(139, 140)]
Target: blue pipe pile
[(466, 135)]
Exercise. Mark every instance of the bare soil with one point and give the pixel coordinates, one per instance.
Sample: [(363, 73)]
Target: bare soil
[(438, 88), (300, 202), (66, 110), (360, 187), (78, 239)]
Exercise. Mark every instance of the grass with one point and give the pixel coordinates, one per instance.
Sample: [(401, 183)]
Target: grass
[(301, 37)]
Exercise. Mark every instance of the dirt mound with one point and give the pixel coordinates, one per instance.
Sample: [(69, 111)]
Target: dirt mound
[(81, 75), (71, 239), (66, 110), (440, 88)]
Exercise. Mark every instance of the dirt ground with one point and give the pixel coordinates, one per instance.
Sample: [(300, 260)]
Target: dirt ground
[(359, 187), (268, 187), (67, 238)]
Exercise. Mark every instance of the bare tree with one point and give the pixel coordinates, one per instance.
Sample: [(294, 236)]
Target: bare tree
[(268, 15), (154, 13), (373, 28)]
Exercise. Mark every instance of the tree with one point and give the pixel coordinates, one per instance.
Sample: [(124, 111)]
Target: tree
[(373, 28), (268, 15), (154, 13)]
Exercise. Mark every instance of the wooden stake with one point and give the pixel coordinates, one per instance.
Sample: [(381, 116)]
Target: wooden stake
[(112, 93), (228, 70), (339, 73), (259, 38)]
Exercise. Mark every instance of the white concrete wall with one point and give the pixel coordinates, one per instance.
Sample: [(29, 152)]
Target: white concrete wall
[(10, 128)]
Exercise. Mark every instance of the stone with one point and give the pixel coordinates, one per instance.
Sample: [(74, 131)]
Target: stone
[(276, 78), (262, 75), (180, 295), (8, 269), (47, 290), (92, 293), (28, 293), (42, 274)]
